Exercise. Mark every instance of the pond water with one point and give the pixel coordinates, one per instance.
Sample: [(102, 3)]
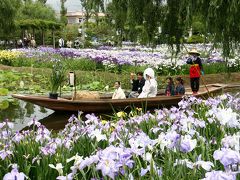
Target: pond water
[(22, 113)]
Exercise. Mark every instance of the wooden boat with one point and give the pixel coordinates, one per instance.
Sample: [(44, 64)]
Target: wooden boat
[(106, 104)]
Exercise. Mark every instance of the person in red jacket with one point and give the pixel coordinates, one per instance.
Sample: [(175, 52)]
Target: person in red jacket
[(196, 69)]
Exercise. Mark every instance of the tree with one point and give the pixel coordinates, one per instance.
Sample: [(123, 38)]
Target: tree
[(35, 17), (118, 10), (41, 25), (92, 7), (63, 12), (221, 18), (222, 21), (8, 12), (36, 10), (42, 1), (174, 23)]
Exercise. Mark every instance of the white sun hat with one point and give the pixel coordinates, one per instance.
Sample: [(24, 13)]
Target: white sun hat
[(149, 72)]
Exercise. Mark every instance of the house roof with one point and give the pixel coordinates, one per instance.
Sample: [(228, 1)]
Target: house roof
[(81, 14)]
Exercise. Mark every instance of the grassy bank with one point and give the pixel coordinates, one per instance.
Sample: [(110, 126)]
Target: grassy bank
[(85, 78)]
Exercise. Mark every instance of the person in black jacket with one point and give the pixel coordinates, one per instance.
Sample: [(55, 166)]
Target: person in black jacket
[(137, 84)]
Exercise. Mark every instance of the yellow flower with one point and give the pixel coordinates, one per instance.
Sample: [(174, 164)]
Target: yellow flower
[(138, 109), (8, 55), (104, 122), (112, 129), (121, 114)]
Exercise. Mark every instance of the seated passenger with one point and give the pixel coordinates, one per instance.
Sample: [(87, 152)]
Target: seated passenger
[(150, 86), (169, 91), (180, 90), (137, 85), (118, 93)]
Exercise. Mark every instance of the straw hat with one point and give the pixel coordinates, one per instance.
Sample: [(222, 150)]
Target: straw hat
[(194, 51)]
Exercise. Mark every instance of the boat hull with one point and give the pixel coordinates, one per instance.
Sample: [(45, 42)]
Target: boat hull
[(108, 105)]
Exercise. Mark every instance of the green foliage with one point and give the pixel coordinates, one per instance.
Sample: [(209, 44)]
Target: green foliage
[(92, 7), (94, 86), (102, 31), (57, 77), (11, 80), (70, 32), (195, 39), (42, 1), (118, 11), (36, 10), (4, 104), (198, 28), (38, 24), (8, 13), (80, 64), (3, 92), (222, 21), (215, 18), (63, 12)]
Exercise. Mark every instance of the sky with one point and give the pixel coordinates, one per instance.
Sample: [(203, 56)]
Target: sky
[(71, 5)]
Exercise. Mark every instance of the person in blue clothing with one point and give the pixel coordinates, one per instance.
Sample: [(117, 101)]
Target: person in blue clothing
[(180, 90), (170, 90)]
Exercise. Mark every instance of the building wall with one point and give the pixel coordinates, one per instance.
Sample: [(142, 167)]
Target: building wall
[(78, 17), (73, 20)]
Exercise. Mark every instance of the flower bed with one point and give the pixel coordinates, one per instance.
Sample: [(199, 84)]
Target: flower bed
[(112, 58), (198, 140), (7, 56)]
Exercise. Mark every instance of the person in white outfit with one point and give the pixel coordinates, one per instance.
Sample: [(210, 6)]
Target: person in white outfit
[(150, 86), (61, 43), (118, 93)]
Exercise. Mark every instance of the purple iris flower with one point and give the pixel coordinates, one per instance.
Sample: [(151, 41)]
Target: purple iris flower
[(34, 122), (5, 134), (187, 144), (18, 137), (157, 170), (219, 175), (108, 167), (67, 177), (49, 149), (125, 160), (5, 153), (88, 161), (14, 174), (91, 119), (227, 156), (173, 137), (42, 134)]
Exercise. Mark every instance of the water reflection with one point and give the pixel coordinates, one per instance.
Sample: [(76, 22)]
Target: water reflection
[(57, 120), (23, 112)]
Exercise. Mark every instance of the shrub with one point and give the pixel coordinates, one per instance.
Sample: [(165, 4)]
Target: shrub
[(195, 39)]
